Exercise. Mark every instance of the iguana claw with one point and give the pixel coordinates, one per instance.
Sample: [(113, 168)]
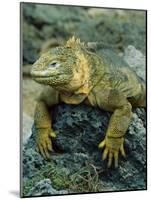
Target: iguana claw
[(112, 148), (44, 143)]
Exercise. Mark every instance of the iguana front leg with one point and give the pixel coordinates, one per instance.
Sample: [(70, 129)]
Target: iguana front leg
[(114, 101), (117, 128), (43, 121)]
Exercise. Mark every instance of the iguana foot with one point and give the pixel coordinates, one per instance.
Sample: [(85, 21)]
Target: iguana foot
[(112, 147), (44, 143)]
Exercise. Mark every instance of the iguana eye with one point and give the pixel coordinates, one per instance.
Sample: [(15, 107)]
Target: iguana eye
[(54, 64)]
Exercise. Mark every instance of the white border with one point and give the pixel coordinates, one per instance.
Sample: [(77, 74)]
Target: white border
[(9, 99)]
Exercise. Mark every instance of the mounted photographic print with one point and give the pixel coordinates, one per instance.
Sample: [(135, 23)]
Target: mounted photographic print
[(83, 100)]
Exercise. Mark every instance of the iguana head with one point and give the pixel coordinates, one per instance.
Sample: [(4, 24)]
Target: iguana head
[(62, 67)]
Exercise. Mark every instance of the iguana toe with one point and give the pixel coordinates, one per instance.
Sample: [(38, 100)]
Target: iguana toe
[(111, 151), (122, 151), (44, 142), (52, 134), (110, 159)]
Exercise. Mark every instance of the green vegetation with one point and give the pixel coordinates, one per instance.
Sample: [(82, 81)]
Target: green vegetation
[(86, 179)]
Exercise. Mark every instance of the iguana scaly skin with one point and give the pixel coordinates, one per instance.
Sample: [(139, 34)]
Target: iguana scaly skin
[(75, 73)]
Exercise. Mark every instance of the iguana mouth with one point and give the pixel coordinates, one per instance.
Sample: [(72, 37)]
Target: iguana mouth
[(41, 77), (36, 75), (43, 74), (44, 78), (48, 77), (57, 80)]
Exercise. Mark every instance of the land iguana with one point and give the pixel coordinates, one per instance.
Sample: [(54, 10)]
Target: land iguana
[(76, 73)]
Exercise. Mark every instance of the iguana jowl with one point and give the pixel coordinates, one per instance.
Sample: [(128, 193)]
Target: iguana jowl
[(73, 74)]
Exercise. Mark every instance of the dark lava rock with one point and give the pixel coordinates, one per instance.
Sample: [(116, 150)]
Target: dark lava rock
[(79, 130)]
